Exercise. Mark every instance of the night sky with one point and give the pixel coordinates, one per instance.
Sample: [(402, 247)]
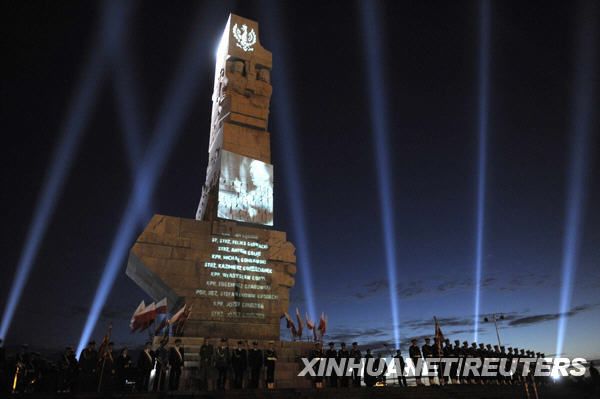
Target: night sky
[(430, 70)]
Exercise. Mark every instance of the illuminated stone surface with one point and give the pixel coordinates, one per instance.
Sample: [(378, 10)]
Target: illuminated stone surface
[(235, 276)]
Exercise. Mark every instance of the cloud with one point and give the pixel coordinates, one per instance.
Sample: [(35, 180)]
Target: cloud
[(441, 285), (544, 317), (371, 288)]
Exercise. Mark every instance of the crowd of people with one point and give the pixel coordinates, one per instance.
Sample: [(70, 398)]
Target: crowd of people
[(426, 353), (219, 367), (159, 369)]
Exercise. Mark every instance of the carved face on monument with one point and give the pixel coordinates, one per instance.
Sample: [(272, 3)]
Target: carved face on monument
[(264, 75), (237, 67)]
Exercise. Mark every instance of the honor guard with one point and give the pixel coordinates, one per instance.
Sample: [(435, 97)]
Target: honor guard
[(509, 358), (206, 357), (144, 366), (317, 353), (176, 356), (222, 361), (427, 349), (270, 362), (344, 354), (454, 368), (370, 380), (415, 355), (106, 365), (446, 368), (466, 353), (123, 367), (503, 355), (255, 363), (331, 355), (88, 368), (67, 371), (401, 375), (239, 363), (356, 355)]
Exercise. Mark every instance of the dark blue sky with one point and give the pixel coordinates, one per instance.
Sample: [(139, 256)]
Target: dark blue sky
[(430, 63)]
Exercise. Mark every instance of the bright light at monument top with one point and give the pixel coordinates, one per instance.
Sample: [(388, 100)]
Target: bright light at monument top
[(234, 272)]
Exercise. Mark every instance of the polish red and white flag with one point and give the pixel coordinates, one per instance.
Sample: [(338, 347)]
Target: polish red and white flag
[(133, 324), (161, 306)]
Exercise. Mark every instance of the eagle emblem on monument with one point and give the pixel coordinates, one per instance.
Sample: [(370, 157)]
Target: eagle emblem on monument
[(245, 40)]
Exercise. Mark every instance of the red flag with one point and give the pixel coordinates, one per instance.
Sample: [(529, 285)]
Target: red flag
[(133, 325), (300, 326), (181, 322), (309, 322), (290, 324), (161, 306), (147, 316), (323, 324), (177, 316)]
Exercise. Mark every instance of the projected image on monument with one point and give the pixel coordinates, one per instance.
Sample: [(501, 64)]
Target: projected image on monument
[(245, 189)]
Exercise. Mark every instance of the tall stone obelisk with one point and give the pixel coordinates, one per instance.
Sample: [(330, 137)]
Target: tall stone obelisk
[(228, 264)]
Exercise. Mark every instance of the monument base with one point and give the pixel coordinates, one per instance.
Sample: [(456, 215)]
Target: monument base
[(286, 371)]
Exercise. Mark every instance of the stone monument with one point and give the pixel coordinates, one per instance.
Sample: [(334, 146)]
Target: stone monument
[(228, 264)]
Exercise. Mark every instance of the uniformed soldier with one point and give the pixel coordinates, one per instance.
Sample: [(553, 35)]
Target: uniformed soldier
[(381, 370), (370, 380), (344, 354), (67, 371), (123, 367), (401, 376), (356, 355), (270, 362), (145, 364), (427, 351), (88, 368), (205, 364), (106, 365), (159, 381), (509, 359), (481, 354), (331, 355), (239, 362), (255, 363), (317, 353), (415, 355), (454, 368), (503, 355), (466, 353), (519, 372), (176, 359), (447, 352), (222, 361)]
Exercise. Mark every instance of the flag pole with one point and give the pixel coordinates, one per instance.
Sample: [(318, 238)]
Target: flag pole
[(104, 346)]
